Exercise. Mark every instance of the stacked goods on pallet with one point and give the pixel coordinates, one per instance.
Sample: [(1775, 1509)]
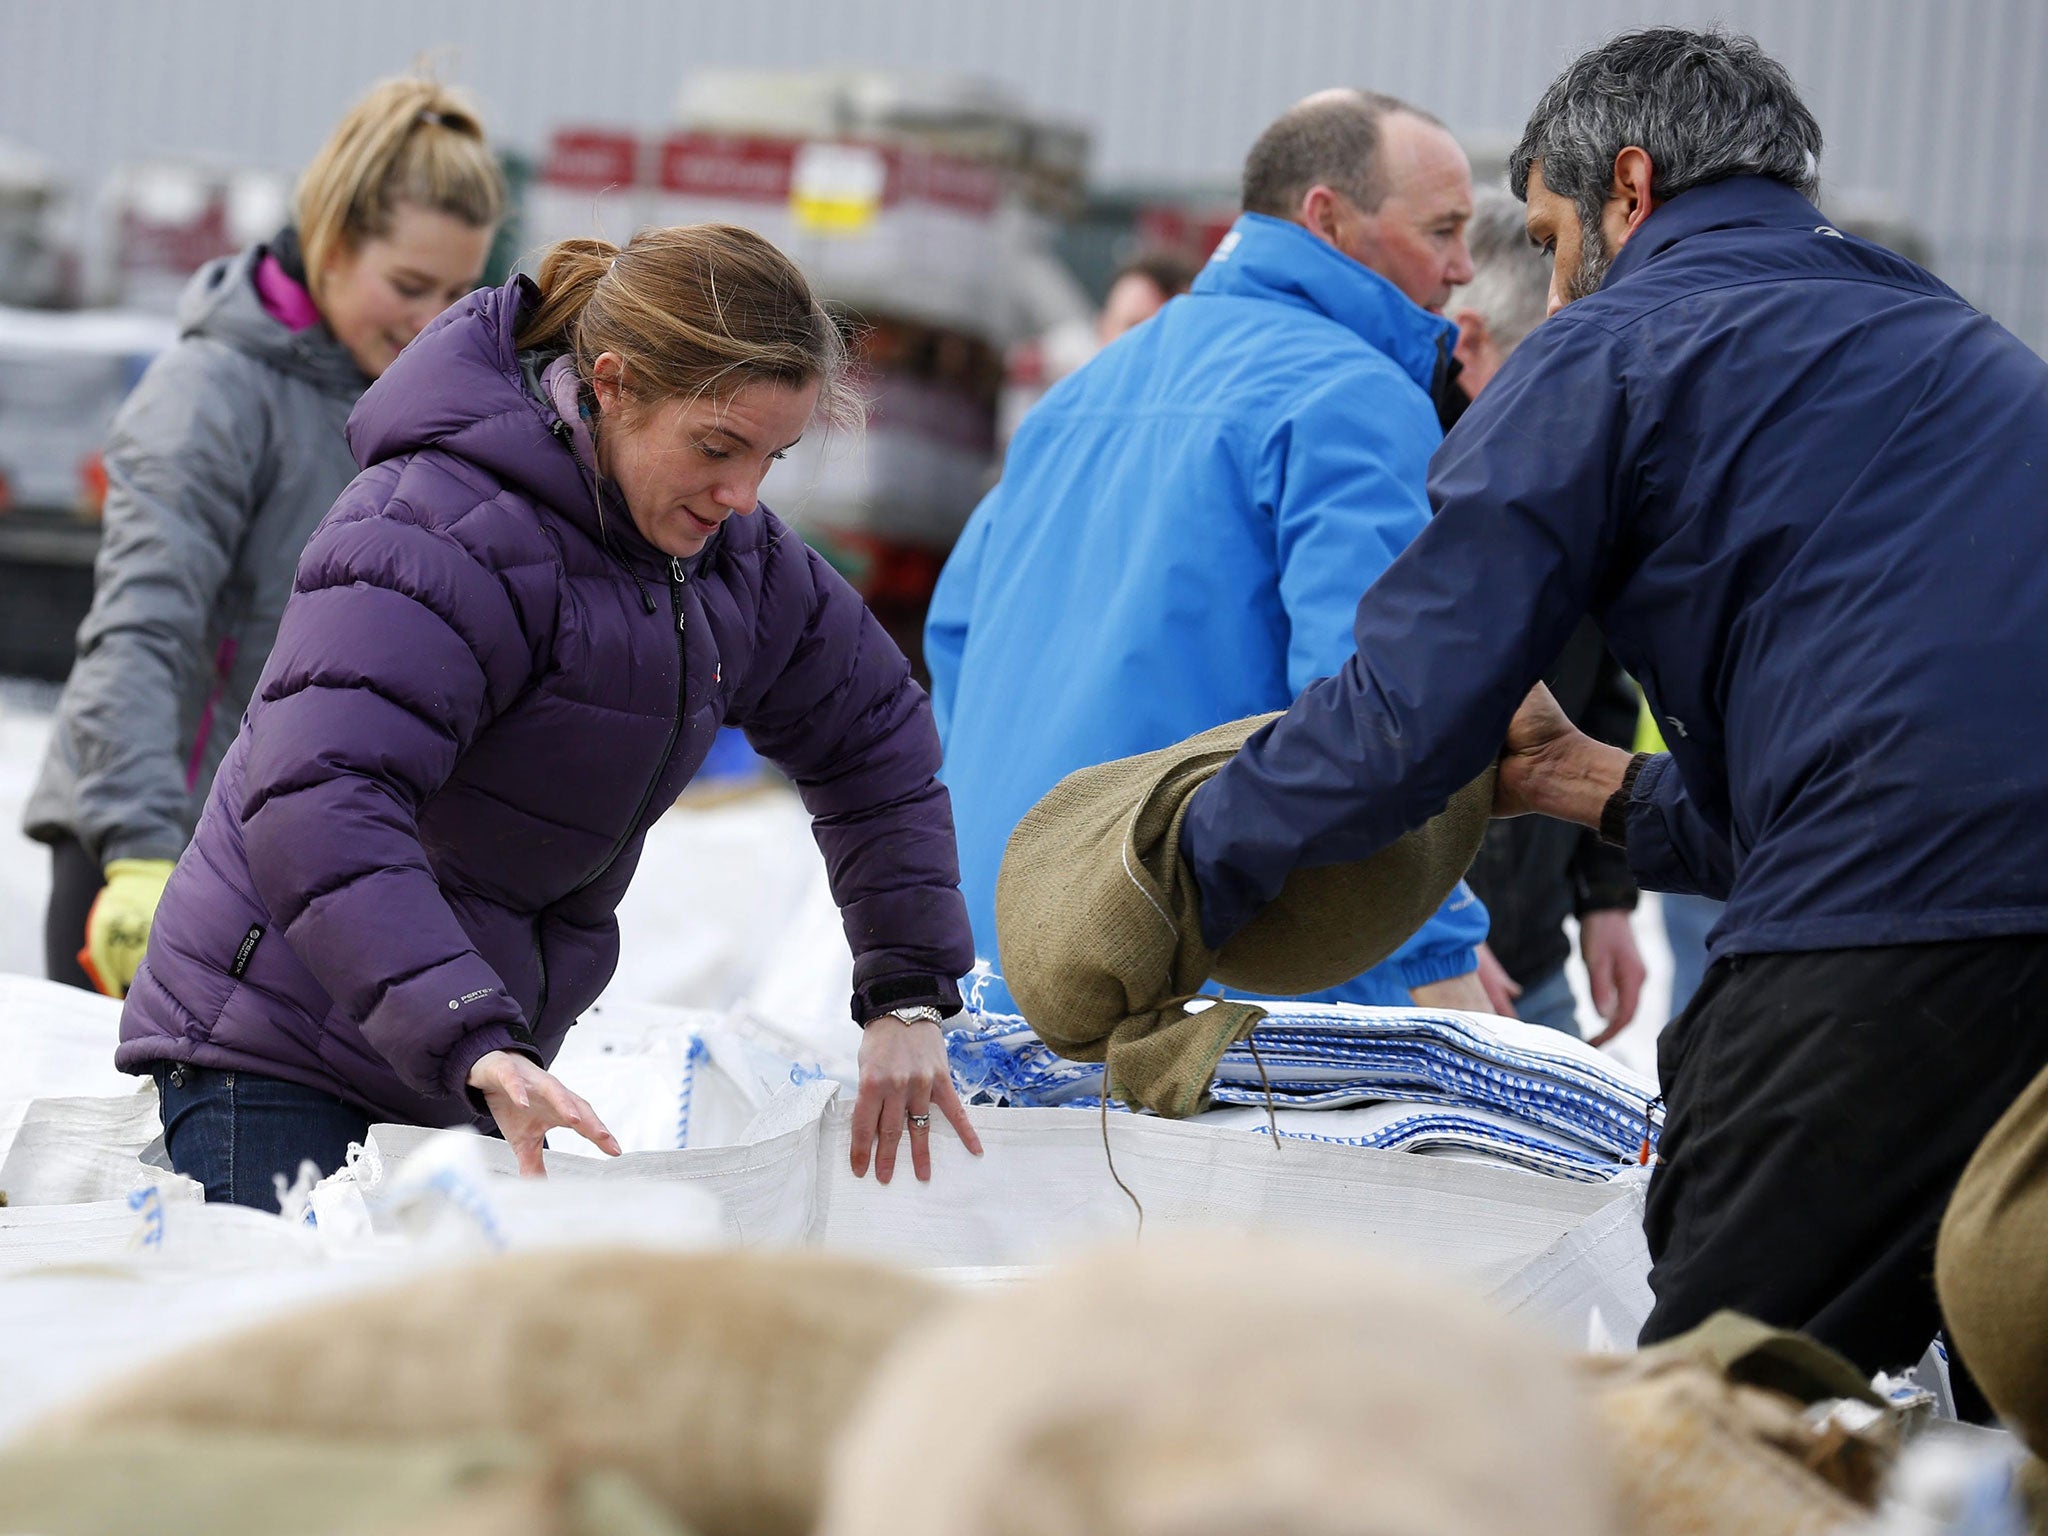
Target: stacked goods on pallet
[(1399, 1079)]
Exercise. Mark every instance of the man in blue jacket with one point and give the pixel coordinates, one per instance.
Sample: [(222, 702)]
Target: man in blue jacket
[(1184, 526), (1803, 488)]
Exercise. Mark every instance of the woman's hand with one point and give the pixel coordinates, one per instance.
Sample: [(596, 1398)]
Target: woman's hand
[(903, 1074), (528, 1102)]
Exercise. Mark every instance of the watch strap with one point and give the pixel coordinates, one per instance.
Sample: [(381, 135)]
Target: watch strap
[(1614, 814), (872, 999)]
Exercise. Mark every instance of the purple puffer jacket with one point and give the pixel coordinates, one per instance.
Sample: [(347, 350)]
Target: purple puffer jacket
[(478, 702)]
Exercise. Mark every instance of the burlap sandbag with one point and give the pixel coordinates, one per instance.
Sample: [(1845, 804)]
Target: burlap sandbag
[(1710, 1435), (233, 1483), (1215, 1386), (1100, 923), (714, 1380), (1991, 1265)]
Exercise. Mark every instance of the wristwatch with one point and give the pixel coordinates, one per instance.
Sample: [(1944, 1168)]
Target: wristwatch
[(918, 1013)]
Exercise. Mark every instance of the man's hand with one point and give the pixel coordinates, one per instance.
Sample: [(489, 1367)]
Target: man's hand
[(903, 1074), (1463, 993), (1549, 767), (1614, 969), (1501, 988), (528, 1102)]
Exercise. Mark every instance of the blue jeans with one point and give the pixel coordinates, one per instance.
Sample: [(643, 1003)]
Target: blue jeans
[(1549, 1002), (1687, 921), (232, 1131)]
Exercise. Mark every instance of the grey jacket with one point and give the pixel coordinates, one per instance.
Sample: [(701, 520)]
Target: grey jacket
[(219, 466)]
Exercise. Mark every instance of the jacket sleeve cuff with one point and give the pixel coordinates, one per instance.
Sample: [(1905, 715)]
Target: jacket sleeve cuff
[(905, 989), (1619, 898), (129, 845), (1437, 965), (1601, 881), (476, 1045), (1655, 855)]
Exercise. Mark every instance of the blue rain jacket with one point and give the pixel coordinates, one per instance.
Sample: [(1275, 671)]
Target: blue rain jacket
[(1182, 533), (1803, 488)]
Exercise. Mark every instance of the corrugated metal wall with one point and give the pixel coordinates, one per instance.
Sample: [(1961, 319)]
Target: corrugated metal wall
[(1933, 106)]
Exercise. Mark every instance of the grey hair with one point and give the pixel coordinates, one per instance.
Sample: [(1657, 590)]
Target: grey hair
[(1702, 105), (1510, 284), (1331, 139)]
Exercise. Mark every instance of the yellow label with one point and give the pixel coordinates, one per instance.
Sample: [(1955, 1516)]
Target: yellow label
[(836, 189)]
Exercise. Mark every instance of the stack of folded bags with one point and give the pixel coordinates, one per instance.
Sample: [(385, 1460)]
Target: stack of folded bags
[(1399, 1079)]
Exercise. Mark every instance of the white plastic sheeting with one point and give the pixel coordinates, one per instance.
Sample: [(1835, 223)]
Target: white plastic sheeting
[(1044, 1187), (72, 1151), (757, 1133), (162, 1271), (55, 1042)]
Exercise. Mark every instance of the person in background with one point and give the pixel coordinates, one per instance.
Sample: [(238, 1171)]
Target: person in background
[(509, 647), (1532, 870), (1185, 524), (219, 465), (1141, 289)]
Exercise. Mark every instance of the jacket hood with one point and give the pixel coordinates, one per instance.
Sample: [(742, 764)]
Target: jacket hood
[(459, 388), (1269, 258), (221, 303)]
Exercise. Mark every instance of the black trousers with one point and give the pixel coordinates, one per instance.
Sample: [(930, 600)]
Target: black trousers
[(75, 881), (1819, 1110)]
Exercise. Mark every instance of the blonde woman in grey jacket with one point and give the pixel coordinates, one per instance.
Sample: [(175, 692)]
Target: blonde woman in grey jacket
[(219, 466)]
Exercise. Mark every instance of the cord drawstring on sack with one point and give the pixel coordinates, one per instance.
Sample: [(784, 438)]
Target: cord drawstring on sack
[(1645, 1156)]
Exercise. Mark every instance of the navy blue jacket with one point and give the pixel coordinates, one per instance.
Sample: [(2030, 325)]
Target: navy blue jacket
[(1803, 488)]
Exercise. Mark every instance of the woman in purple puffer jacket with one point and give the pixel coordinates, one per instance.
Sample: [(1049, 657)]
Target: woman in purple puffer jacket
[(509, 646)]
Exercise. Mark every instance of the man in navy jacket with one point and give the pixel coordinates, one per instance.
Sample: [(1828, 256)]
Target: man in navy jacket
[(1803, 488)]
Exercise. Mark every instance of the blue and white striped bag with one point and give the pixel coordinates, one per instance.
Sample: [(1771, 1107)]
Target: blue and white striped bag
[(1395, 1078)]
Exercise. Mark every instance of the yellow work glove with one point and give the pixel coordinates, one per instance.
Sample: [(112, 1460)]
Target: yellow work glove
[(117, 927)]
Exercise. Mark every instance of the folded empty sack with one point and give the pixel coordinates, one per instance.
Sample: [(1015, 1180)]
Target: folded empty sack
[(1100, 928)]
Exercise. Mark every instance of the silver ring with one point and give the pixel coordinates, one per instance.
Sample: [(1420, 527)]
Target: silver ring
[(920, 1122)]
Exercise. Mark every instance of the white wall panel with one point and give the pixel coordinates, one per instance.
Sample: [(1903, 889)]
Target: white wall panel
[(1932, 105)]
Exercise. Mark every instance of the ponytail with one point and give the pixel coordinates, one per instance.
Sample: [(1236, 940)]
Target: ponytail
[(701, 310), (569, 275), (406, 141)]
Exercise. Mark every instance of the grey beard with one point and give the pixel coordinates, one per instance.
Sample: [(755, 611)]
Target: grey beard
[(1594, 260)]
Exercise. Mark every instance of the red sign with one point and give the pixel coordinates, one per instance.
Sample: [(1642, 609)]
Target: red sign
[(917, 175), (757, 168), (1196, 230), (592, 159), (747, 168)]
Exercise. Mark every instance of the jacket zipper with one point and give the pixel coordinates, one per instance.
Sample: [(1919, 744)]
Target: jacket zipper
[(678, 578), (540, 961)]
